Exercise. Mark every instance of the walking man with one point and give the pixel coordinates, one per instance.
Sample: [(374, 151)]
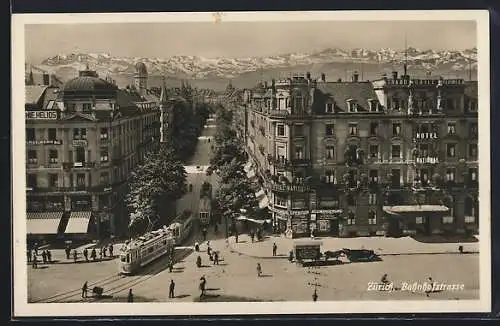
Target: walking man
[(85, 288), (86, 254), (75, 255), (68, 251), (93, 254), (171, 289), (100, 254), (216, 258), (34, 262), (44, 257), (203, 283), (49, 256), (111, 250), (104, 251), (259, 270), (275, 248), (28, 254), (130, 297)]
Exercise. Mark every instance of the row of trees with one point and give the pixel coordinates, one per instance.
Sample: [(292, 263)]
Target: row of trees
[(236, 192), (160, 180)]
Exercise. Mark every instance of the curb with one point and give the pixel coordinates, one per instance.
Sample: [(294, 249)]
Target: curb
[(232, 250)]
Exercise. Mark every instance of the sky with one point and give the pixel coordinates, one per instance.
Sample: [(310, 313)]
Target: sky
[(242, 39)]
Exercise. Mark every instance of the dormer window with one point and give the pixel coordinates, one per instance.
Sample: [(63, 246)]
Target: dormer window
[(329, 107), (352, 106), (373, 105)]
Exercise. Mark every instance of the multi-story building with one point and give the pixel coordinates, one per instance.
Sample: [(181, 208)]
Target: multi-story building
[(390, 156), (82, 142)]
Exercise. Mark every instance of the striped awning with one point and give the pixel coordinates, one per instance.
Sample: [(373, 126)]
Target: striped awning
[(43, 222), (78, 222)]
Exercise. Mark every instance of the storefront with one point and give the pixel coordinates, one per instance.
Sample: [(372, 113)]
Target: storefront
[(326, 221), (415, 219)]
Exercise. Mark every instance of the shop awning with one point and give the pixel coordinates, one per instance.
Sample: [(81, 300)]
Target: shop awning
[(43, 222), (396, 210), (78, 222)]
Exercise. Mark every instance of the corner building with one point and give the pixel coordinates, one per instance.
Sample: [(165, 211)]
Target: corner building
[(82, 142), (387, 157)]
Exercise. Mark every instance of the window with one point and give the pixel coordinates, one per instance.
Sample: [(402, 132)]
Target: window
[(447, 219), (53, 180), (104, 178), (80, 180), (373, 175), (330, 152), (473, 175), (396, 129), (53, 156), (452, 128), (353, 129), (352, 106), (395, 104), (329, 129), (351, 219), (330, 176), (280, 201), (280, 130), (104, 155), (31, 180), (299, 130), (473, 151), (419, 220), (450, 175), (472, 106), (104, 133), (373, 129), (329, 108), (372, 217), (30, 134), (351, 201), (86, 107), (469, 218), (374, 151), (450, 104), (473, 131), (52, 134), (299, 152), (451, 150), (396, 151), (424, 150), (396, 177), (373, 105), (80, 154), (32, 156), (424, 175), (372, 199), (80, 133)]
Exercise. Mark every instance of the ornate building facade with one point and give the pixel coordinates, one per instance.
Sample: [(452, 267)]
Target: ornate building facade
[(82, 142), (392, 156)]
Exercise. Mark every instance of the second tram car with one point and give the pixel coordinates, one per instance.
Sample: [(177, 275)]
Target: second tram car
[(182, 227)]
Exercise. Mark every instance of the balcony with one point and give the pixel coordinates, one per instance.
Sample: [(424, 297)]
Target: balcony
[(280, 114), (78, 165), (78, 142)]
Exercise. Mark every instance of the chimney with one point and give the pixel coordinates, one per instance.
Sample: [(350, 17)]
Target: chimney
[(355, 77), (46, 79), (323, 77), (308, 76), (394, 75)]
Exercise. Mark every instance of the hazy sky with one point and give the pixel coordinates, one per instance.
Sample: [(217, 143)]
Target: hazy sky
[(240, 39)]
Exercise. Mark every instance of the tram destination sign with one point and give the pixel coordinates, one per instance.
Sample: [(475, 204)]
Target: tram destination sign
[(41, 115)]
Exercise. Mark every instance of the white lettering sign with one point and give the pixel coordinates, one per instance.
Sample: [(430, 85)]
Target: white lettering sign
[(426, 135), (41, 115), (427, 160)]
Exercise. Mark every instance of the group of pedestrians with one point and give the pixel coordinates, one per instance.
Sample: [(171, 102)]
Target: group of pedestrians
[(90, 255), (32, 256)]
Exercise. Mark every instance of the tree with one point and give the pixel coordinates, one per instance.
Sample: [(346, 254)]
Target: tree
[(160, 180)]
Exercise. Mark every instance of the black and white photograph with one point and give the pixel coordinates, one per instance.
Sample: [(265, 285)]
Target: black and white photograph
[(250, 163)]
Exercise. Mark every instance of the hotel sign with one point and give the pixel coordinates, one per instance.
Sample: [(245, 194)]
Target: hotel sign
[(427, 160), (44, 142), (41, 115), (426, 135)]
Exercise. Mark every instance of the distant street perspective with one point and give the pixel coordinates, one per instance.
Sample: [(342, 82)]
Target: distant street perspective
[(319, 185)]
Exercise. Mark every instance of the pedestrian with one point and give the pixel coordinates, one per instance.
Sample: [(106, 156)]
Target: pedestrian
[(170, 265), (86, 254), (68, 251), (29, 254), (251, 235), (259, 269), (49, 256), (93, 254), (36, 248), (210, 257), (216, 258), (44, 257), (171, 289), (198, 261), (85, 289), (75, 255), (275, 249), (34, 263), (236, 237), (315, 295), (111, 250), (209, 250), (104, 251), (203, 283), (196, 247), (130, 297), (100, 253)]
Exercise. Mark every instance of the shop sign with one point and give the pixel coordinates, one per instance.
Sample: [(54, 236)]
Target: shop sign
[(427, 160), (426, 135), (44, 142), (41, 115), (79, 142)]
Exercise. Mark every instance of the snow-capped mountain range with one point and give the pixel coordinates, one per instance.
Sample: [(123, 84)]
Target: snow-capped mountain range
[(195, 67)]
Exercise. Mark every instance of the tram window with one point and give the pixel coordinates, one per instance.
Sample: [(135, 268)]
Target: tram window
[(124, 259), (128, 258), (150, 249)]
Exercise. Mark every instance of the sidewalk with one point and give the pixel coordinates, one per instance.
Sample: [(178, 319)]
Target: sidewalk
[(380, 245)]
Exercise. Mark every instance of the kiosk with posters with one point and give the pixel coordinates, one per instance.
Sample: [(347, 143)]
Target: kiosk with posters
[(307, 250)]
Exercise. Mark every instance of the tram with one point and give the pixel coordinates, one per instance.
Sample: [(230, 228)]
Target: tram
[(182, 227), (141, 251)]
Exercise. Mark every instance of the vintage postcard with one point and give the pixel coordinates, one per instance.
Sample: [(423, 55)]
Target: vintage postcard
[(251, 163)]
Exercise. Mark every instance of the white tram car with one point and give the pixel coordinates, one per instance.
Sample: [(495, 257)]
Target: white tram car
[(139, 252)]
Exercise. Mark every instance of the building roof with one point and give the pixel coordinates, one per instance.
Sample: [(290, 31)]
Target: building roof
[(360, 92), (34, 94), (125, 101), (87, 83), (51, 95)]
